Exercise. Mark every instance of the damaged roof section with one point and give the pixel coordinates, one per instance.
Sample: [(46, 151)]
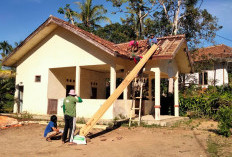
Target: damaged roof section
[(169, 47)]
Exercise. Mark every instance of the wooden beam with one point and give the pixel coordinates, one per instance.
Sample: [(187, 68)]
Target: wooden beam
[(89, 125)]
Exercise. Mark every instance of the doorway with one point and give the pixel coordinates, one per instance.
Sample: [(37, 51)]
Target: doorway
[(94, 93), (20, 99), (68, 88)]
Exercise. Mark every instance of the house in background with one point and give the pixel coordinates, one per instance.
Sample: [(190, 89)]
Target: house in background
[(59, 56), (216, 62)]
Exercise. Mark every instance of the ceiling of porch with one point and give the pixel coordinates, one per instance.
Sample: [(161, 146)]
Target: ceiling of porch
[(102, 68)]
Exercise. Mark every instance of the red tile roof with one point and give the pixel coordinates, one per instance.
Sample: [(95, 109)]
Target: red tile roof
[(213, 52), (169, 44), (107, 44)]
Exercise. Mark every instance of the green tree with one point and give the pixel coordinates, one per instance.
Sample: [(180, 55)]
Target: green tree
[(5, 48), (90, 15), (7, 88), (169, 17), (68, 13), (116, 33), (185, 17), (136, 11)]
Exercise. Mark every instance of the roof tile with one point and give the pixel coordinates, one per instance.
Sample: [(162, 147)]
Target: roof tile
[(213, 52)]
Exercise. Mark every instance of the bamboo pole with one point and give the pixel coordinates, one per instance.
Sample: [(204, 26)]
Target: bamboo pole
[(88, 126)]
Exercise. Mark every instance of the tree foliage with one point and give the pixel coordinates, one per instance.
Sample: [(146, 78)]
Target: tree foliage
[(116, 33), (186, 17), (88, 15), (136, 11), (68, 13), (170, 17), (5, 48), (7, 89)]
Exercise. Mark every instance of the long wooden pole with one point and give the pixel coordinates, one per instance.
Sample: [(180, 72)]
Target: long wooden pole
[(88, 126)]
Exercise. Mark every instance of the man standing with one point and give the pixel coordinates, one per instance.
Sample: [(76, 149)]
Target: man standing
[(133, 46), (70, 115), (151, 41)]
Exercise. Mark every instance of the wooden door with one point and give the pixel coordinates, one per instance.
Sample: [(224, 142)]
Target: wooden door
[(52, 106)]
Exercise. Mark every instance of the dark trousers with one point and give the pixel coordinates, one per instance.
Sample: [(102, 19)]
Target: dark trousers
[(70, 125)]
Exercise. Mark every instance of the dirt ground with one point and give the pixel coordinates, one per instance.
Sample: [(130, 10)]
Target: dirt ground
[(177, 141)]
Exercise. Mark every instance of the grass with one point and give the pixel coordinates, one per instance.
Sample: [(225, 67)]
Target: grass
[(81, 120), (150, 126), (24, 115), (212, 147), (219, 146)]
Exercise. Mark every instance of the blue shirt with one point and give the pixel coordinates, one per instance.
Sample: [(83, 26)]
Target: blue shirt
[(49, 128), (152, 41)]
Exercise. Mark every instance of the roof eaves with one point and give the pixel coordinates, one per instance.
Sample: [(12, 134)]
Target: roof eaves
[(27, 39), (162, 57), (74, 30), (69, 27)]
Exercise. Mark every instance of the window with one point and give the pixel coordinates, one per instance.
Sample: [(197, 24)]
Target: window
[(203, 78), (229, 67), (37, 78)]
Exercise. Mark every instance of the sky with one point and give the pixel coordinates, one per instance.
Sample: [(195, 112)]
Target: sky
[(19, 18)]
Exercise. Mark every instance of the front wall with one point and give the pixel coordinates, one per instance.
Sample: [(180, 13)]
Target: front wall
[(59, 49)]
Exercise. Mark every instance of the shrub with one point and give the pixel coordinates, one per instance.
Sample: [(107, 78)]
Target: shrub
[(7, 88), (224, 116), (205, 103)]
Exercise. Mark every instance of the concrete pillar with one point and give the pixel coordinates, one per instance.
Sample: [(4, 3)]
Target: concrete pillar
[(78, 80), (170, 85), (112, 78), (150, 93), (149, 88), (176, 95), (157, 93), (125, 92), (113, 85)]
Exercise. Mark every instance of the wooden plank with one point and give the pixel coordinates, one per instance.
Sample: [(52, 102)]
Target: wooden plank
[(88, 126), (168, 46), (178, 47)]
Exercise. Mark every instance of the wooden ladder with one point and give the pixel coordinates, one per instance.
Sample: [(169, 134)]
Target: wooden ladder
[(117, 92), (133, 108)]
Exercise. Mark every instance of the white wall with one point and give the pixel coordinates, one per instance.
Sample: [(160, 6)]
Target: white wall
[(218, 73), (89, 107), (59, 49)]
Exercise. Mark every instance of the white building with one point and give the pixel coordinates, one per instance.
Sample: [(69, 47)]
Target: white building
[(216, 71), (59, 56)]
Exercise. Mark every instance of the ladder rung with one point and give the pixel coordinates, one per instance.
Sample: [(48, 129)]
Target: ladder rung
[(135, 108), (138, 97)]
